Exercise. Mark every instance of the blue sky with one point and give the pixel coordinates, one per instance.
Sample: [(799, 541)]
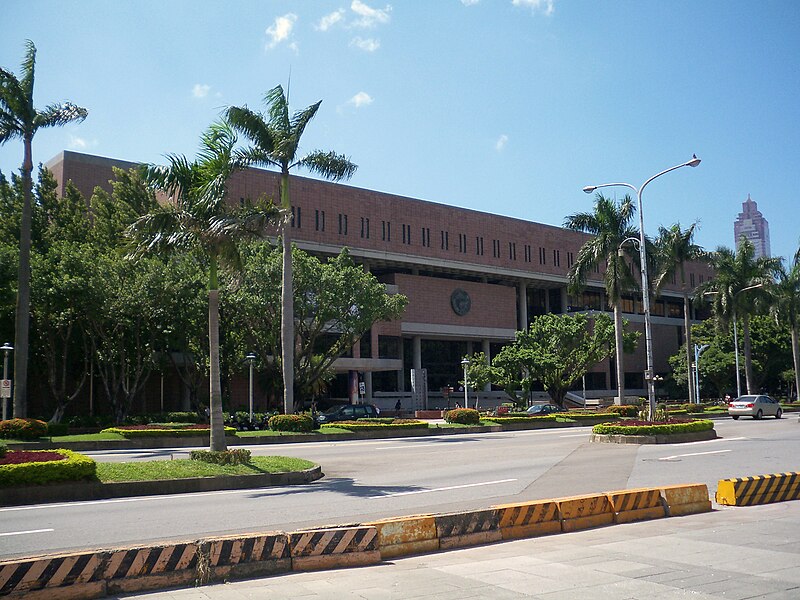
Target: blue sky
[(505, 106)]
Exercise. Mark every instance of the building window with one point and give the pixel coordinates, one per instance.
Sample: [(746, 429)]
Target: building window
[(297, 215), (389, 346), (627, 305), (426, 237), (319, 220), (527, 253), (557, 258), (512, 251), (386, 231), (479, 245), (496, 248), (445, 240), (365, 227), (542, 256), (365, 344), (570, 259), (691, 279), (342, 224), (406, 234), (462, 243), (674, 309)]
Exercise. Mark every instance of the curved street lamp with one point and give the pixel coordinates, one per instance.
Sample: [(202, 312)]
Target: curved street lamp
[(648, 375), (6, 348), (251, 359)]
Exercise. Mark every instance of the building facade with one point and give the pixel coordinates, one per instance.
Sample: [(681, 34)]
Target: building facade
[(752, 225), (472, 278)]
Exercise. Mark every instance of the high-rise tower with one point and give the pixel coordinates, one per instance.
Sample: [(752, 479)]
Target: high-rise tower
[(752, 225)]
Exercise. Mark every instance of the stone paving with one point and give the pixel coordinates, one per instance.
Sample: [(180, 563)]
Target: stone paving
[(731, 553)]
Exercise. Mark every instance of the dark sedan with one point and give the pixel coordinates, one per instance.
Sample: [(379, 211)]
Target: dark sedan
[(543, 409)]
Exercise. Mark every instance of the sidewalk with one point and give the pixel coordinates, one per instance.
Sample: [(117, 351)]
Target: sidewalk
[(732, 553)]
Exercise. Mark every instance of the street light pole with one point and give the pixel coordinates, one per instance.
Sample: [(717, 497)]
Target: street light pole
[(251, 358), (698, 350), (6, 348), (465, 364), (648, 334)]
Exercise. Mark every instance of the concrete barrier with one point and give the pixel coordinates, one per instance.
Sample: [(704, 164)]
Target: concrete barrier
[(636, 505), (404, 536), (582, 512), (243, 556), (336, 547), (528, 519), (760, 489), (456, 530), (686, 499)]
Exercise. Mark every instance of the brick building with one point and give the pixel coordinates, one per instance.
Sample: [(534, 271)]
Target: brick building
[(472, 278)]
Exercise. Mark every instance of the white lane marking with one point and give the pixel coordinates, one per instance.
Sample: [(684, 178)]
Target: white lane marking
[(26, 532), (716, 440), (573, 435), (693, 454), (443, 489), (414, 446)]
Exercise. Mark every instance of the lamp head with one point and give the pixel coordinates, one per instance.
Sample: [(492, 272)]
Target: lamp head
[(589, 189), (694, 162)]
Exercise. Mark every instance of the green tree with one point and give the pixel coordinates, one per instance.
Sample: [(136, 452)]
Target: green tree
[(20, 119), (275, 139), (336, 302), (610, 226), (197, 217), (480, 373), (737, 291), (558, 350), (675, 248), (785, 294)]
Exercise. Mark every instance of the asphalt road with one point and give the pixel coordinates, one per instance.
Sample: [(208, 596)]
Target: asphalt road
[(365, 480)]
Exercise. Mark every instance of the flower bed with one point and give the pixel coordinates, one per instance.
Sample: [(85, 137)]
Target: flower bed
[(377, 424), (521, 418), (37, 467), (163, 430), (647, 428)]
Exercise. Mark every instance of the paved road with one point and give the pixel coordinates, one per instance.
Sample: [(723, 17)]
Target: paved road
[(372, 479), (733, 553)]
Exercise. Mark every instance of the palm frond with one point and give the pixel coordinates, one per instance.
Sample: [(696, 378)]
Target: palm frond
[(278, 110), (330, 165), (252, 125), (56, 115), (28, 69)]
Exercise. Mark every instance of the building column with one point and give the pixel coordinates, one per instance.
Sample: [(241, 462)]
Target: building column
[(523, 306), (486, 349), (417, 351), (470, 350), (368, 385), (547, 301), (564, 300)]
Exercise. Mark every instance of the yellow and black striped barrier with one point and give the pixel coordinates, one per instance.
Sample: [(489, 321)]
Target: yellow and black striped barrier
[(760, 489), (529, 519), (636, 505), (456, 530)]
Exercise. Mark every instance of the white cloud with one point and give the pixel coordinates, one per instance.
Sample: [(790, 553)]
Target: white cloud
[(469, 2), (79, 143), (330, 20), (200, 90), (280, 30), (501, 142), (367, 45), (368, 16), (544, 6), (360, 99)]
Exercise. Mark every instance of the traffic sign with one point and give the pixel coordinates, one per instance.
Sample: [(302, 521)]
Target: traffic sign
[(5, 388)]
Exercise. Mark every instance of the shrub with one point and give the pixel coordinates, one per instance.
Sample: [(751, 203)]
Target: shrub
[(463, 416), (671, 427), (237, 456), (57, 429), (626, 410), (295, 423), (3, 449), (71, 466), (521, 418), (378, 424), (23, 429), (163, 430)]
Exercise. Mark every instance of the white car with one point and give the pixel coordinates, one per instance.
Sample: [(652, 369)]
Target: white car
[(755, 406)]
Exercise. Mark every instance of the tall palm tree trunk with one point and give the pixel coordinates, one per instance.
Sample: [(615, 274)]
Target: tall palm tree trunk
[(796, 356), (688, 328), (22, 323), (748, 361), (618, 343), (215, 389), (287, 304)]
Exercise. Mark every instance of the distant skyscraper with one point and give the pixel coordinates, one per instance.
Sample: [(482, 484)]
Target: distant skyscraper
[(752, 225)]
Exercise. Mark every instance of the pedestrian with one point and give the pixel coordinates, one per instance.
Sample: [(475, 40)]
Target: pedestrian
[(398, 408)]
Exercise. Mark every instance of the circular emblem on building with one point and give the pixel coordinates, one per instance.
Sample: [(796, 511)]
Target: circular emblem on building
[(460, 302)]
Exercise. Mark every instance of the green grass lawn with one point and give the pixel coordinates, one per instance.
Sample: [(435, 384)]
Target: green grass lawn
[(185, 468)]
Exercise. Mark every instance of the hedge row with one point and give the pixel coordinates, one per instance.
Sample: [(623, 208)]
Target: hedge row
[(23, 429), (656, 429), (236, 456), (74, 467), (587, 416), (301, 423), (520, 418), (372, 425), (150, 433)]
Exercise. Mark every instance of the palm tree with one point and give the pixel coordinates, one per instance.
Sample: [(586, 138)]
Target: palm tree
[(197, 217), (675, 247), (20, 119), (610, 224), (785, 294), (275, 139), (737, 291)]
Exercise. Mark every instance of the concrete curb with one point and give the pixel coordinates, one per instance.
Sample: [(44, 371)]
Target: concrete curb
[(677, 438), (78, 491), (94, 574)]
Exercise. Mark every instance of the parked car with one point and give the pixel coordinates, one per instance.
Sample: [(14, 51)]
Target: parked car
[(348, 412), (755, 406), (543, 409)]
